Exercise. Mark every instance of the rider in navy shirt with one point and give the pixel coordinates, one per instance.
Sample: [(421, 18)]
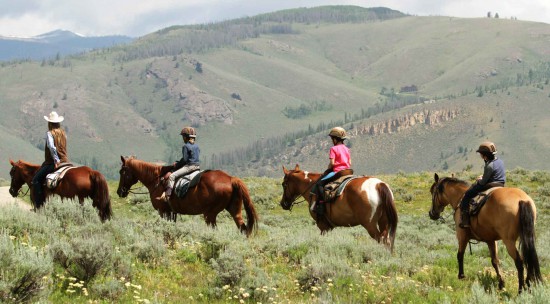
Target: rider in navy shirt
[(494, 175), (187, 164)]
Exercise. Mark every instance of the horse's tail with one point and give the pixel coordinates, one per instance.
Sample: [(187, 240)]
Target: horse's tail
[(527, 241), (388, 205), (101, 198), (240, 192)]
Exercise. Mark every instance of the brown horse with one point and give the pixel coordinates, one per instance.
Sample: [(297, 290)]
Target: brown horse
[(215, 192), (80, 182), (508, 214), (366, 201)]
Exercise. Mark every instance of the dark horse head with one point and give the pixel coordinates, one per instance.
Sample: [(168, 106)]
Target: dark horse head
[(18, 174), (127, 178)]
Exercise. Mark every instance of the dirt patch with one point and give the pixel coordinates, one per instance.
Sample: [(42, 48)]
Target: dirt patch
[(6, 199)]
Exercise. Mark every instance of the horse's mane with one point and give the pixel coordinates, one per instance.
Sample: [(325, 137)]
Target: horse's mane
[(451, 181), (27, 164), (147, 169)]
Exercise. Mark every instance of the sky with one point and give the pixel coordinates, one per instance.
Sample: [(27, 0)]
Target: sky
[(27, 18)]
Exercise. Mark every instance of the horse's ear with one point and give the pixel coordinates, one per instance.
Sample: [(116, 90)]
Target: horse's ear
[(12, 163), (452, 175), (285, 171), (436, 177), (122, 159), (297, 168)]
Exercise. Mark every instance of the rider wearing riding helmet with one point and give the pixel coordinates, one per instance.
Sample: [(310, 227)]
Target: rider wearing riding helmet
[(494, 175), (339, 164), (187, 164), (55, 153)]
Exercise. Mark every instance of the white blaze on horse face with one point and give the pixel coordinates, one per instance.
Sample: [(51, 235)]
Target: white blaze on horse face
[(306, 175), (369, 186)]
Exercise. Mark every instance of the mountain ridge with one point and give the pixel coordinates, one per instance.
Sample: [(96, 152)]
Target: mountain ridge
[(286, 86)]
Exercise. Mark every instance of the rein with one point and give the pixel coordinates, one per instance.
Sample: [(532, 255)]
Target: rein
[(133, 191), (28, 189)]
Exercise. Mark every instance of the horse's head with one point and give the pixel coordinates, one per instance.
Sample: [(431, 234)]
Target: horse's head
[(445, 191), (18, 177), (437, 206), (127, 177), (294, 183)]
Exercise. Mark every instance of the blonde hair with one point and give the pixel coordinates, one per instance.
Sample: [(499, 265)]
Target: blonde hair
[(57, 132)]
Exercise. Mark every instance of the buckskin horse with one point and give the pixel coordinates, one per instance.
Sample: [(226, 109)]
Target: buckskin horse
[(508, 214), (80, 182), (215, 192), (366, 201)]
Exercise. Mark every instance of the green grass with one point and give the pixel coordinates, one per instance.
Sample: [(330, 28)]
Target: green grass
[(152, 260)]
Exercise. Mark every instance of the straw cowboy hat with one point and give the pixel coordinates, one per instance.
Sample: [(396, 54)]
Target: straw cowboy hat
[(53, 117)]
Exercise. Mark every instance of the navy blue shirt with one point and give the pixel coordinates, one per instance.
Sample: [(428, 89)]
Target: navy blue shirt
[(191, 153), (494, 172)]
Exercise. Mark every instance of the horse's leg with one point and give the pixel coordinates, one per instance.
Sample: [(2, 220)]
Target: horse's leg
[(494, 261), (513, 252), (236, 213), (210, 219), (462, 242)]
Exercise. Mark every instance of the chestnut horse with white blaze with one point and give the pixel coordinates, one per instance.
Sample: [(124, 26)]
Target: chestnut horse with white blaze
[(215, 192), (80, 182), (366, 201), (508, 214)]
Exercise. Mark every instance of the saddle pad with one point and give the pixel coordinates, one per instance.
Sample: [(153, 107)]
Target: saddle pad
[(335, 188), (53, 179), (479, 200), (187, 181)]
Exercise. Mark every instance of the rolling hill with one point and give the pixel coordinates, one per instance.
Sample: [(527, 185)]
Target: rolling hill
[(263, 90)]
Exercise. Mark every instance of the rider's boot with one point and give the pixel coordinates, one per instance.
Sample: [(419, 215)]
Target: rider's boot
[(320, 208), (464, 219), (165, 195)]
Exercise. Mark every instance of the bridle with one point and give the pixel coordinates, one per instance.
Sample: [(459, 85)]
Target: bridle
[(12, 173), (129, 190), (435, 198), (301, 195)]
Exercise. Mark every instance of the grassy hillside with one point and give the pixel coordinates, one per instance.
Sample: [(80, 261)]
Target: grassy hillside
[(237, 81), (138, 257)]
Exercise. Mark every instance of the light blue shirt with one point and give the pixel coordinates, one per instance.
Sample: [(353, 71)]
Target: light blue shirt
[(50, 144)]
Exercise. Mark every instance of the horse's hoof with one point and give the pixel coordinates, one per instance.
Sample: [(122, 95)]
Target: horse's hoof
[(461, 276)]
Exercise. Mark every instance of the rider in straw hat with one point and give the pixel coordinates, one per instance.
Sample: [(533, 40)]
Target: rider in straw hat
[(494, 175), (55, 152), (187, 164)]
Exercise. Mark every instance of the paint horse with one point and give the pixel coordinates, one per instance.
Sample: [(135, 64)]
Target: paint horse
[(366, 201), (508, 214), (80, 182), (216, 191)]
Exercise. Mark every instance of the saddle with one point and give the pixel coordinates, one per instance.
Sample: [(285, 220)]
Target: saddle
[(53, 179), (185, 182), (478, 201), (335, 188)]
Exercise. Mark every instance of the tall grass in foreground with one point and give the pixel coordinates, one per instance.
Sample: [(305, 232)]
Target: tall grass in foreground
[(63, 253)]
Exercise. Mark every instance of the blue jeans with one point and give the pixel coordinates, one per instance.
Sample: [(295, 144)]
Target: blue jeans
[(38, 184)]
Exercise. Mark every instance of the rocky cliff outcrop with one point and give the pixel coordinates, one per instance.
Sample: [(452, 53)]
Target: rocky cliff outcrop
[(197, 106), (429, 117)]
